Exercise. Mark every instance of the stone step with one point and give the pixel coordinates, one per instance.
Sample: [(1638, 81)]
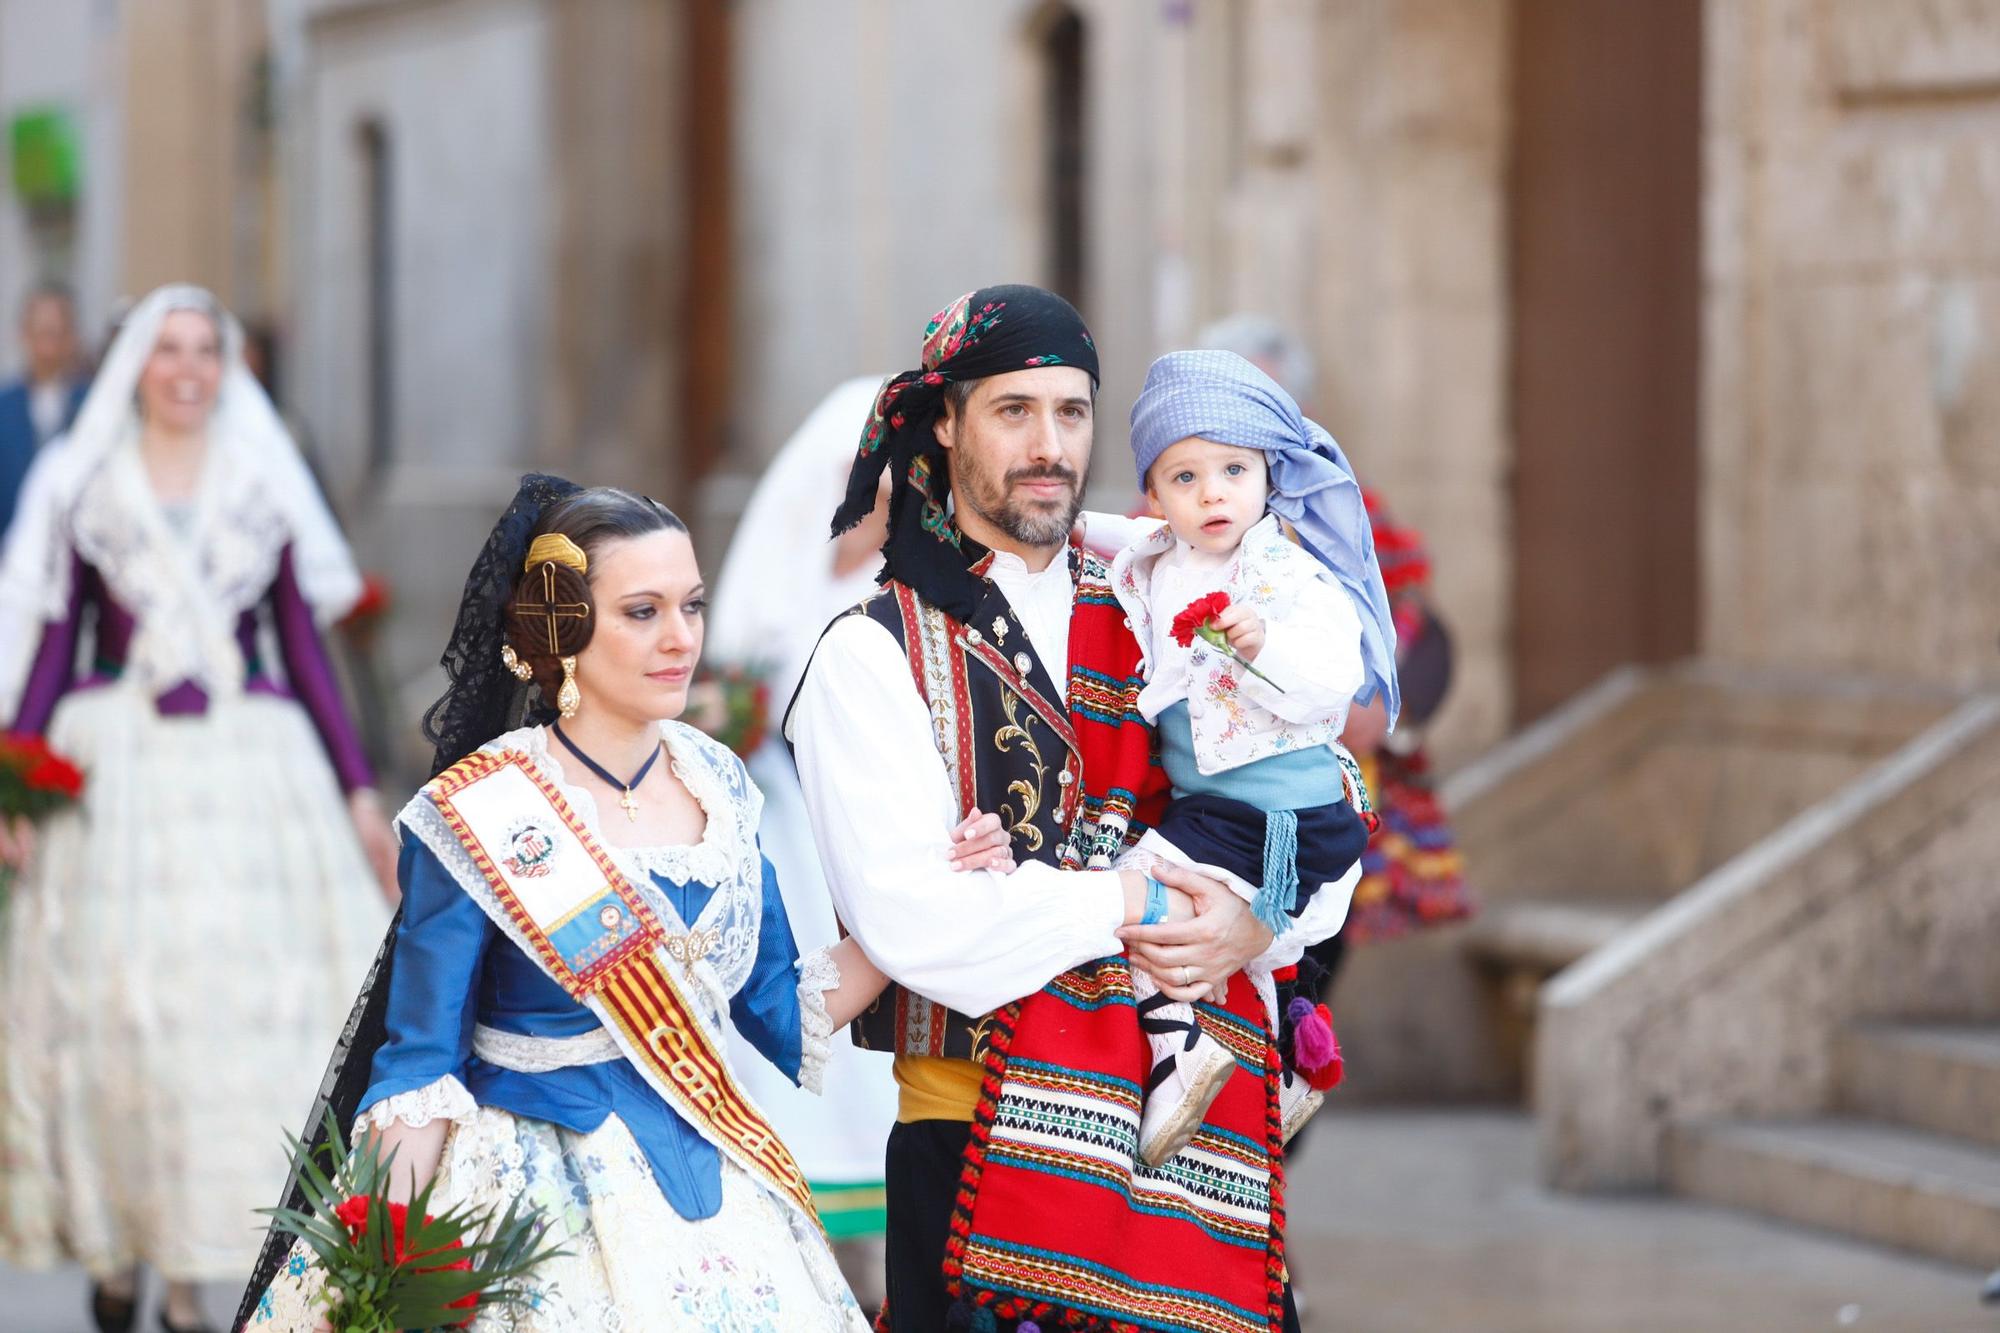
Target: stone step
[(1544, 936), (1884, 1183), (1939, 1077)]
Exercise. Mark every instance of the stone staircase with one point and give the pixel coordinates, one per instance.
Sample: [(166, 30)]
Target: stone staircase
[(1516, 946), (1582, 827), (1908, 1156)]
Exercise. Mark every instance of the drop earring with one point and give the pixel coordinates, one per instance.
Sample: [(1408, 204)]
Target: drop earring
[(569, 698)]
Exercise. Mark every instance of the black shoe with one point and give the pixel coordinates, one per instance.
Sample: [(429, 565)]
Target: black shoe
[(112, 1314), (1991, 1295)]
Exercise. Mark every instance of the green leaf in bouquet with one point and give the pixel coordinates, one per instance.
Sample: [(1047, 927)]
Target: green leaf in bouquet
[(372, 1285)]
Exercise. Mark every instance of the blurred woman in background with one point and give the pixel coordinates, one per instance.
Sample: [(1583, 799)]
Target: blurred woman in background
[(183, 942), (782, 582)]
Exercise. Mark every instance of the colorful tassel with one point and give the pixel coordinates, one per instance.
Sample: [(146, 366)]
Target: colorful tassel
[(1312, 1035), (1279, 893), (1325, 1076)]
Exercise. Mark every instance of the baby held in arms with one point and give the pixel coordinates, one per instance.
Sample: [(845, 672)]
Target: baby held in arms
[(1261, 617)]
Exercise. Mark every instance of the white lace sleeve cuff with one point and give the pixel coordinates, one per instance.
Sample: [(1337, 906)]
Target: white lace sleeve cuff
[(818, 974), (443, 1099)]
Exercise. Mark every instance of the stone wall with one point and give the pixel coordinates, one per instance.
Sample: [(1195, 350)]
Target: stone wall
[(1409, 304), (1851, 496), (1340, 166), (1878, 902), (462, 95), (872, 188)]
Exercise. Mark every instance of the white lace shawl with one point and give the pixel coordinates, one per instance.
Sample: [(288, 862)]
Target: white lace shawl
[(88, 491)]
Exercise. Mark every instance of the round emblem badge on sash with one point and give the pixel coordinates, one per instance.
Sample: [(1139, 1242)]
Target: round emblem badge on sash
[(531, 851)]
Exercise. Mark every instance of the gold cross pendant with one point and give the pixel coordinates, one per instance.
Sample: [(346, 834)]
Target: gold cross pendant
[(631, 806)]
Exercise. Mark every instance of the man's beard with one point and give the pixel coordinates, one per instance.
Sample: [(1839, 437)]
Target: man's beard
[(1028, 523)]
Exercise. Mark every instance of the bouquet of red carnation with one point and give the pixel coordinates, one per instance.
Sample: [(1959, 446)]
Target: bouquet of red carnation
[(1192, 623), (35, 781), (392, 1266), (732, 704)]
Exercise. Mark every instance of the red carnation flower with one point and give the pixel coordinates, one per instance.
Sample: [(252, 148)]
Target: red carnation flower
[(353, 1214), (1192, 623), (1197, 614)]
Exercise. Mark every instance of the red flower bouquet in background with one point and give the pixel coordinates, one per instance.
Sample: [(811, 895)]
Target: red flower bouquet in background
[(370, 610), (373, 603), (391, 1266), (733, 705), (35, 781), (1193, 622)]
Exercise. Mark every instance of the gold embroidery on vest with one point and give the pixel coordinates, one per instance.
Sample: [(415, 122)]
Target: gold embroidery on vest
[(1029, 792)]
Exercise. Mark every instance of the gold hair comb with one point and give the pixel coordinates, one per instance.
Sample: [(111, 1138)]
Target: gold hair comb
[(554, 546)]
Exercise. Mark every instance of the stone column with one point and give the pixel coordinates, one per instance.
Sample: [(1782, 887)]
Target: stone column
[(190, 162)]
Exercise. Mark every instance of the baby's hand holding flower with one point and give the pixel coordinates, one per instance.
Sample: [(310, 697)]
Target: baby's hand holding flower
[(1230, 631)]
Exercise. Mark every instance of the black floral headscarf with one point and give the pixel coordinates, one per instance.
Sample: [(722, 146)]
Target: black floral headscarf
[(993, 331)]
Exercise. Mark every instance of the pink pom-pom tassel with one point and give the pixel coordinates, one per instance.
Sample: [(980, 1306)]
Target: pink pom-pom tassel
[(1313, 1046)]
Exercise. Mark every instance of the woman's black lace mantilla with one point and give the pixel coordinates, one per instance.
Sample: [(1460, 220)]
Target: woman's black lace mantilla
[(481, 701)]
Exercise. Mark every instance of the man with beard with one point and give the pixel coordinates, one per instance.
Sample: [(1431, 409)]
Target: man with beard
[(994, 672)]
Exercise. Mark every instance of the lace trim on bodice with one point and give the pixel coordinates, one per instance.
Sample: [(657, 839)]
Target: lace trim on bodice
[(527, 1054), (818, 974), (441, 1099)]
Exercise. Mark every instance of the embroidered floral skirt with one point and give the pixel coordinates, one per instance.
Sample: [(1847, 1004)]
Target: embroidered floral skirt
[(180, 957), (633, 1263)]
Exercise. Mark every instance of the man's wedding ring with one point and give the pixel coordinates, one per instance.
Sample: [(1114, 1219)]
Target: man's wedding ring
[(1187, 976)]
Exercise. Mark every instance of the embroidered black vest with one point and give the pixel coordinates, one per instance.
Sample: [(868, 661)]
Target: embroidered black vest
[(1003, 731)]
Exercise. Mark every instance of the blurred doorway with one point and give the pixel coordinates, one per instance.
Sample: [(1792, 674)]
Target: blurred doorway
[(1605, 337)]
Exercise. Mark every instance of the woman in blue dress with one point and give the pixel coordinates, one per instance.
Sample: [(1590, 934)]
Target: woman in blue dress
[(559, 878)]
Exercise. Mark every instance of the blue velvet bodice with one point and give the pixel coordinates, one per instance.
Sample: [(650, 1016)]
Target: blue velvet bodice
[(454, 969)]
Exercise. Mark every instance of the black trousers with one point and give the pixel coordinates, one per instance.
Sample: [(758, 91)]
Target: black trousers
[(1218, 831), (920, 1181)]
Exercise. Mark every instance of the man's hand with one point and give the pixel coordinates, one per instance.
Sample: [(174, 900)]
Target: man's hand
[(1194, 959)]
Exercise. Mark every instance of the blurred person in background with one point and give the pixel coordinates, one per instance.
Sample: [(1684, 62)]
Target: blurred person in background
[(1411, 873), (182, 943), (40, 405), (781, 584)]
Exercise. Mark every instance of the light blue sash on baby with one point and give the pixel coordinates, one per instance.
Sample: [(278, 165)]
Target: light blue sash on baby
[(1296, 780)]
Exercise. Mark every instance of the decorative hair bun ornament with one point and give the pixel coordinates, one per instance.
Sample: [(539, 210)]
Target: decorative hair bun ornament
[(512, 661), (554, 546)]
